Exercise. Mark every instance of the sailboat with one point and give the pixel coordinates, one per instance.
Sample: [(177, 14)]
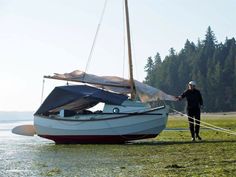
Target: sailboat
[(65, 115)]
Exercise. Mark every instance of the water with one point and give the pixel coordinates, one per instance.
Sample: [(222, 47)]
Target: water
[(34, 156)]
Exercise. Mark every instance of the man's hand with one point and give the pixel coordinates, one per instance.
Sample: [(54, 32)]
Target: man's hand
[(178, 98)]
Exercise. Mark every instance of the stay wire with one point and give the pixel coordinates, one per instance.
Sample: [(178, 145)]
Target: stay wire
[(95, 38), (42, 93)]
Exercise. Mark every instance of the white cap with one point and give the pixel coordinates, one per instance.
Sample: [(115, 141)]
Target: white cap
[(193, 83)]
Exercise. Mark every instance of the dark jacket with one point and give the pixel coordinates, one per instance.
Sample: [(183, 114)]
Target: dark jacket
[(194, 98)]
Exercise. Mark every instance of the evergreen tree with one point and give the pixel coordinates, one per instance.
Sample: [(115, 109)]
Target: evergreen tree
[(228, 75), (211, 65), (149, 69), (157, 60)]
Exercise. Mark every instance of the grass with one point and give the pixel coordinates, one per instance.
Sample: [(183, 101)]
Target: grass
[(170, 154), (224, 121), (173, 154)]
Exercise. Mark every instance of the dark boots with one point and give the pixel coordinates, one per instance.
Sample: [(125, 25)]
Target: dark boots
[(197, 128), (191, 127)]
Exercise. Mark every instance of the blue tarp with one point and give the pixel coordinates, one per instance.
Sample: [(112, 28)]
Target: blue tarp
[(78, 97)]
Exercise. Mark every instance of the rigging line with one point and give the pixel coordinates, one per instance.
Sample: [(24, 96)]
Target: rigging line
[(95, 37), (207, 125), (217, 129), (42, 93), (213, 126)]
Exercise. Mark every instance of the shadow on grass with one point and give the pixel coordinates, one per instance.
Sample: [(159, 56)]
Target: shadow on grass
[(162, 143), (141, 143)]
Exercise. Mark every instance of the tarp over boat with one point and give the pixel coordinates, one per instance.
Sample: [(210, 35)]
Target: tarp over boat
[(78, 97), (116, 84)]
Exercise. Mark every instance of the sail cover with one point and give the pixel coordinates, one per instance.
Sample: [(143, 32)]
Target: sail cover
[(116, 84), (78, 97)]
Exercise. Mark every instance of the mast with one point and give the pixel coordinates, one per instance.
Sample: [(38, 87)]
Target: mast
[(131, 78)]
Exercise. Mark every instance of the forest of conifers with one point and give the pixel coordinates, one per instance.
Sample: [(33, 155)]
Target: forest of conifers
[(211, 64)]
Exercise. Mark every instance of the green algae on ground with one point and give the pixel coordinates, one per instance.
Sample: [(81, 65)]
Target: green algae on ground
[(170, 154), (52, 172)]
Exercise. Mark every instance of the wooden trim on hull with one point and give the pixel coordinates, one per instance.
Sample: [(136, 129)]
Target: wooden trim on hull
[(96, 139), (119, 115)]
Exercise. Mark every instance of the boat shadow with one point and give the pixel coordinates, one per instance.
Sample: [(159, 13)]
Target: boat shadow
[(148, 143)]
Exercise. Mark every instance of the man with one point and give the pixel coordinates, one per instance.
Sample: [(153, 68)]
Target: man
[(194, 103)]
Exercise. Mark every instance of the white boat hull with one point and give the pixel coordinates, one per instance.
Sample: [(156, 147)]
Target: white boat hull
[(102, 128)]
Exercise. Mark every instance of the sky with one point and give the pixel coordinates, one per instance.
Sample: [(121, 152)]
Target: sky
[(43, 37)]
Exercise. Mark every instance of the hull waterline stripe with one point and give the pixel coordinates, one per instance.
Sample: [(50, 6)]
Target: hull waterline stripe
[(105, 139)]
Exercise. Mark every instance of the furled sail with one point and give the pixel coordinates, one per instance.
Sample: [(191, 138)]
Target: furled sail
[(116, 84)]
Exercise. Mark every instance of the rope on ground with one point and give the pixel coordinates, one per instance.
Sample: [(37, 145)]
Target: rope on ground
[(207, 125)]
